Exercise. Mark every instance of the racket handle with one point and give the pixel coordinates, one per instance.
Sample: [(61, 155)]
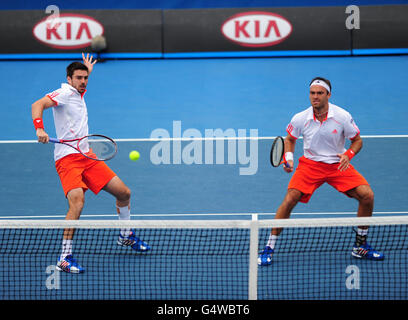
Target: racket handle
[(54, 140)]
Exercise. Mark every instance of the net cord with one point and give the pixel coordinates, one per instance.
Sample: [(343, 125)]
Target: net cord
[(200, 224)]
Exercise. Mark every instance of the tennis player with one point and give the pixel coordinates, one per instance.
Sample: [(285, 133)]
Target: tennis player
[(325, 128), (78, 173)]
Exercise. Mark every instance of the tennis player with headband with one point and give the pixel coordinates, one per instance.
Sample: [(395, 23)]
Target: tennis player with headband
[(78, 173), (324, 127)]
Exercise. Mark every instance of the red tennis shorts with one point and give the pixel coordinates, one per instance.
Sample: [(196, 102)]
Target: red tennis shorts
[(77, 171), (310, 175)]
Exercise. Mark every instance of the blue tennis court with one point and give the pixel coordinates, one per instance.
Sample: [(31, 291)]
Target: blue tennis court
[(131, 100)]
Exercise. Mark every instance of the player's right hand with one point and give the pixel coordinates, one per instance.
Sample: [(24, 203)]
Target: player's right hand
[(42, 136), (288, 166)]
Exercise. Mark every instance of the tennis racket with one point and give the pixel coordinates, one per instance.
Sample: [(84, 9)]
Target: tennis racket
[(94, 146), (277, 150)]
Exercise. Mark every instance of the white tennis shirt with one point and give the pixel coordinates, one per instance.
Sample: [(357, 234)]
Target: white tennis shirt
[(322, 141), (70, 118)]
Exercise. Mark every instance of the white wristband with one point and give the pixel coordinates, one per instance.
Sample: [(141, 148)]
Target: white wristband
[(289, 156)]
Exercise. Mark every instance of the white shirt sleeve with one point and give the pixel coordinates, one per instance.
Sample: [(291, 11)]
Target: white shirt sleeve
[(59, 96), (350, 128), (294, 127)]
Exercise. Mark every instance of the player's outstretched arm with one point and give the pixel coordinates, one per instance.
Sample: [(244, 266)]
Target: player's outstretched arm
[(37, 109), (89, 62)]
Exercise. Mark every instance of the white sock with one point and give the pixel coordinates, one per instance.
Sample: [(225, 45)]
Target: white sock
[(66, 248), (124, 214), (272, 241), (362, 232), (361, 236)]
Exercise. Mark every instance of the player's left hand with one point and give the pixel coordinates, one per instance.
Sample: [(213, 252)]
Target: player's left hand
[(344, 162), (88, 62)]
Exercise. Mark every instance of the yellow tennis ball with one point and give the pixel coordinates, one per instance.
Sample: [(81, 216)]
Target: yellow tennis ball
[(134, 155)]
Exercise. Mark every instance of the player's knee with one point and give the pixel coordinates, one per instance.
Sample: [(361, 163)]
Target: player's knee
[(124, 194), (127, 193), (368, 196), (292, 198), (289, 203), (79, 202), (76, 201)]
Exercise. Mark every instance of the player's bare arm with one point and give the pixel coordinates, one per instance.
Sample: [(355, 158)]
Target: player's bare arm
[(37, 109), (88, 62), (290, 143), (355, 147)]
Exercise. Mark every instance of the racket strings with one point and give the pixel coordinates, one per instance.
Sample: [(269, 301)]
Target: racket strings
[(98, 147), (277, 152)]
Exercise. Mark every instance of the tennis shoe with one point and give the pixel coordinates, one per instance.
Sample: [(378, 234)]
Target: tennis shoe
[(69, 264), (134, 242), (265, 257), (365, 251)]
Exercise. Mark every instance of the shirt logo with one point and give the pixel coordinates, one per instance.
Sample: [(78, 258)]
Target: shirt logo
[(289, 128), (334, 131), (53, 94)]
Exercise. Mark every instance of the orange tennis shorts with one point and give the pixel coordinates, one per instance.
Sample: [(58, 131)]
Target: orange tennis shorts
[(310, 175), (77, 171)]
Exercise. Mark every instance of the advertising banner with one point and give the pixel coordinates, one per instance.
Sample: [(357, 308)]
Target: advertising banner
[(34, 31), (225, 32), (276, 29)]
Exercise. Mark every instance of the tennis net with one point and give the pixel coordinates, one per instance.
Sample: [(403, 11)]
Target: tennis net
[(204, 260)]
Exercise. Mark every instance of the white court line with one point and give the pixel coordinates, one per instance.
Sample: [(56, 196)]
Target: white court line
[(209, 138), (205, 214)]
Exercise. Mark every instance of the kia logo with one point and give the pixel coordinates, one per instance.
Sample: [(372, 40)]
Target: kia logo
[(256, 29), (67, 31)]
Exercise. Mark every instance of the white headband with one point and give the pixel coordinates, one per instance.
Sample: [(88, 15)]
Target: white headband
[(321, 83)]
